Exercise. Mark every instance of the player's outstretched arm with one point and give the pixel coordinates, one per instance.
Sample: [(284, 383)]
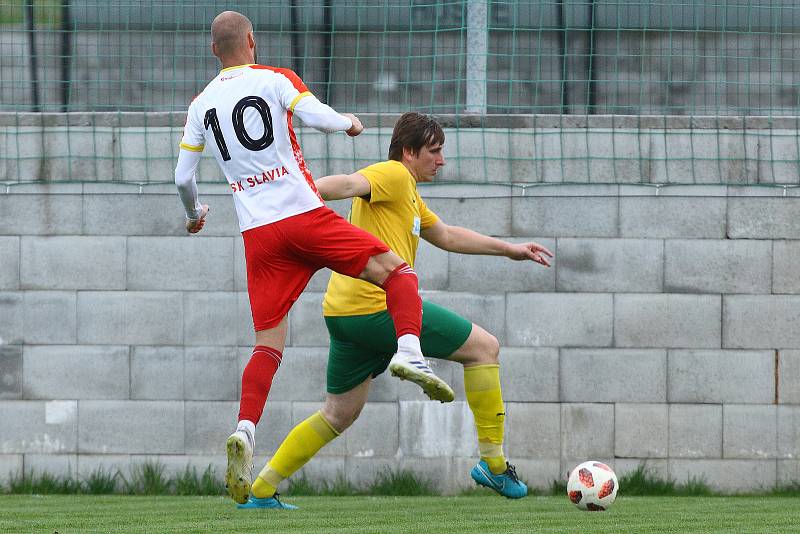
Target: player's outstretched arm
[(339, 186), (187, 190), (466, 241)]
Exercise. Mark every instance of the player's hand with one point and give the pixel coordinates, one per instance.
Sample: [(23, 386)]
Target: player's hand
[(530, 251), (356, 128), (195, 225)]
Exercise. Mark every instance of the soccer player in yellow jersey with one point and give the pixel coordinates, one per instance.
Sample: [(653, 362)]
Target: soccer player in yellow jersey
[(387, 204)]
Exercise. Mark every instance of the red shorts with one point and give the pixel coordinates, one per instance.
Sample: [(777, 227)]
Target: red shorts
[(283, 256)]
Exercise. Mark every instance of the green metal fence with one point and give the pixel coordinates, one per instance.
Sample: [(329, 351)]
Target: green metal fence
[(679, 76)]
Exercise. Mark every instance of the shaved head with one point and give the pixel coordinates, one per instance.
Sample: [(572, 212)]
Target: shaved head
[(229, 33)]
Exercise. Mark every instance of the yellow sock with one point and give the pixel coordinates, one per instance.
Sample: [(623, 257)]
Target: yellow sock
[(485, 399), (299, 447)]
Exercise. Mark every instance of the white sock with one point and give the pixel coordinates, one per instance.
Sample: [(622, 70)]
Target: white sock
[(409, 344), (249, 428)]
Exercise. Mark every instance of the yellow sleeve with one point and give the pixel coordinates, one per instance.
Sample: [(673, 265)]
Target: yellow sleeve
[(427, 217), (386, 183)]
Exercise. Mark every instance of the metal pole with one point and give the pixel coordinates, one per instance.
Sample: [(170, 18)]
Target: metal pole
[(477, 54), (562, 52), (591, 100), (66, 54), (297, 55), (34, 59), (327, 49)]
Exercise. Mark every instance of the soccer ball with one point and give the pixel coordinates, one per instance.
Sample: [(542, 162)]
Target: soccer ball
[(592, 486)]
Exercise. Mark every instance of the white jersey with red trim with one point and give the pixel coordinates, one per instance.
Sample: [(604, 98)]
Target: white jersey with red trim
[(245, 116)]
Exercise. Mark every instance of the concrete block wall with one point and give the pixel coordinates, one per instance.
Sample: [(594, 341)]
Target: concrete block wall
[(664, 333)]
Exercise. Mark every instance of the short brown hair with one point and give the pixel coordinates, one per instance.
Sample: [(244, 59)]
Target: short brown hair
[(414, 131)]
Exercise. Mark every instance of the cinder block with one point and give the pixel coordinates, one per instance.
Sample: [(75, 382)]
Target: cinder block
[(60, 465), (276, 423), (363, 472), (10, 371), (557, 216), (245, 332), (177, 464), (587, 431), (210, 318), (785, 275), (385, 388), (73, 262), (302, 411), (208, 425), (130, 318), (788, 432), (788, 472), (656, 467), (609, 265), (789, 377), (726, 475), (763, 218), (129, 427), (22, 214), (439, 472), (157, 373), (49, 317), (152, 215), (431, 266), (9, 263), (695, 431), (533, 430), (488, 311), (186, 263), (667, 321), (558, 320), (760, 321), (717, 266), (106, 464), (319, 281), (11, 314), (321, 470), (431, 429), (239, 266), (721, 376), (301, 376), (664, 217), (492, 274), (39, 427), (10, 467), (613, 375), (529, 375), (488, 216), (308, 326), (375, 432), (749, 431), (211, 373), (75, 372)]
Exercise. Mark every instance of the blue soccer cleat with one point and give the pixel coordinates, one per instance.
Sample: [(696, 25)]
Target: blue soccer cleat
[(267, 503), (506, 483)]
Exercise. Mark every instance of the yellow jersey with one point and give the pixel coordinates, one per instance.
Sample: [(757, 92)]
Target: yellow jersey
[(395, 214)]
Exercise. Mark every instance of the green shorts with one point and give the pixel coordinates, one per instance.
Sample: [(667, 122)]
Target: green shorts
[(362, 345)]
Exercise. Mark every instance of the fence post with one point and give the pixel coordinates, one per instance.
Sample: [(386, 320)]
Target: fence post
[(477, 54)]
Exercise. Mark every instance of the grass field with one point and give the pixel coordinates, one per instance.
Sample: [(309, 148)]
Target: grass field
[(462, 515)]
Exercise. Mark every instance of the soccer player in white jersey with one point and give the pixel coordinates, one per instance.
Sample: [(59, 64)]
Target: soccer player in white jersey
[(244, 115)]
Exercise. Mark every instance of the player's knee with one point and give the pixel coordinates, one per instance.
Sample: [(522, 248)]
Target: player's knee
[(491, 349), (380, 266), (341, 416)]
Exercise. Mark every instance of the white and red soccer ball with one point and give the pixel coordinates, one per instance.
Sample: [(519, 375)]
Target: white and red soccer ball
[(592, 486)]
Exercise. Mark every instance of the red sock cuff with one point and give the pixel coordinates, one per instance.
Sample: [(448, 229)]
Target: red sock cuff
[(275, 354), (401, 269)]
